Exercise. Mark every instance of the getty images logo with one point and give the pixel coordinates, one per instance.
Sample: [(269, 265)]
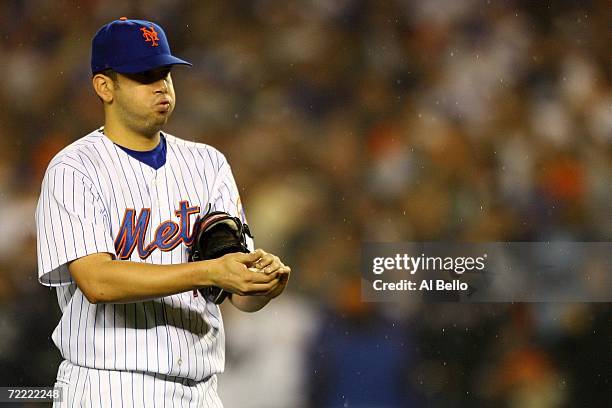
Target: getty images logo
[(412, 264)]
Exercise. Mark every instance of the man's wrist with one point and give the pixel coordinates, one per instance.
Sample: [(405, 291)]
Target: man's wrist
[(204, 273)]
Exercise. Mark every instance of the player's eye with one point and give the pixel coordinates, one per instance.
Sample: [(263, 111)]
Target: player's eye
[(148, 77)]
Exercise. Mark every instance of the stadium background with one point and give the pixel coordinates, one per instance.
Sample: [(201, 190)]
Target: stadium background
[(347, 121)]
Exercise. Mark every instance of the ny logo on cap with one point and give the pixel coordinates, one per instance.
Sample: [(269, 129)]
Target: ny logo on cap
[(150, 35)]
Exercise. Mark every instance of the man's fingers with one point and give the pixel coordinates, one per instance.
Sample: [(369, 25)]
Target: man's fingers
[(278, 289), (284, 270), (272, 289), (265, 260), (279, 267), (250, 257), (262, 289), (262, 278)]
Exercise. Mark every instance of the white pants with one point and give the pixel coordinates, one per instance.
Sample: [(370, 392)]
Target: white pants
[(88, 387)]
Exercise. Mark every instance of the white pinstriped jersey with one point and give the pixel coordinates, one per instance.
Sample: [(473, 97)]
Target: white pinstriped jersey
[(97, 198)]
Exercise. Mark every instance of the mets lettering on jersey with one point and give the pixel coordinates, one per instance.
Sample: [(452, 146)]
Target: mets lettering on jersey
[(97, 198), (167, 236)]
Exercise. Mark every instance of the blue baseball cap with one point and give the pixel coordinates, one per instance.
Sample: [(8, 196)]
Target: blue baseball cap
[(131, 46)]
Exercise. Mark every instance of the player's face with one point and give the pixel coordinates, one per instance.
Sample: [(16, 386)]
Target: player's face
[(144, 101)]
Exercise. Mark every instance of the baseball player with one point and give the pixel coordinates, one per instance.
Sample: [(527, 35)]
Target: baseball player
[(114, 221)]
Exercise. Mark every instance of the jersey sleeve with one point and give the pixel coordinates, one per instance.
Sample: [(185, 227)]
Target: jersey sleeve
[(227, 198), (71, 222)]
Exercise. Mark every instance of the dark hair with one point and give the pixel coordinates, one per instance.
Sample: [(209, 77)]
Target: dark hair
[(112, 74)]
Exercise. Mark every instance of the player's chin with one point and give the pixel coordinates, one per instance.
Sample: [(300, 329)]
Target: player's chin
[(155, 123), (162, 116)]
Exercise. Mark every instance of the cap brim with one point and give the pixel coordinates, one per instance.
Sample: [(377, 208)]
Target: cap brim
[(149, 63)]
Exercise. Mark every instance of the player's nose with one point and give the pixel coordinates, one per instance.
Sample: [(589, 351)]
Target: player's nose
[(161, 86)]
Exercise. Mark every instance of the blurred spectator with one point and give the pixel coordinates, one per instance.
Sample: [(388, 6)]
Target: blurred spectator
[(354, 360), (266, 357)]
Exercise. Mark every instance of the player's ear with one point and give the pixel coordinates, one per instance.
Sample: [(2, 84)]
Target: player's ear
[(104, 86)]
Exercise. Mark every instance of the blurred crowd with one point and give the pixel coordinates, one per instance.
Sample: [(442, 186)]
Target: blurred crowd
[(348, 121)]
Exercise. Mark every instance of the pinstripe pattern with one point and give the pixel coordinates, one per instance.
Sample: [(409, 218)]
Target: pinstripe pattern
[(88, 387), (85, 193)]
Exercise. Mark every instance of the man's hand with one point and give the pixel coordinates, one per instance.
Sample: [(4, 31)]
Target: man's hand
[(233, 275), (269, 265)]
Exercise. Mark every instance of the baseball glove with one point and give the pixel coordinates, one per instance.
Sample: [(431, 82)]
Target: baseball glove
[(217, 234)]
